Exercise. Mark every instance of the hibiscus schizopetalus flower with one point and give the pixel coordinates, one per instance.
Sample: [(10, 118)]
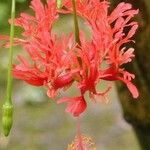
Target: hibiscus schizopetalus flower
[(58, 62)]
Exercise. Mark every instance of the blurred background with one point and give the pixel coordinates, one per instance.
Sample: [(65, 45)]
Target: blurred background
[(41, 124)]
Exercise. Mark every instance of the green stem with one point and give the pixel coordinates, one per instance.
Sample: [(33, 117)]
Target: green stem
[(76, 26), (7, 118), (9, 75), (59, 3)]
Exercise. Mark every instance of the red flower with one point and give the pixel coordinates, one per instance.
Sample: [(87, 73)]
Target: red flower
[(58, 62)]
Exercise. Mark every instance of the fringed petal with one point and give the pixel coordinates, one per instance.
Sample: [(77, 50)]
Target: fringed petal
[(76, 105)]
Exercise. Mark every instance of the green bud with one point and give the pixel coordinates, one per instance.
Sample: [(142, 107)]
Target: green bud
[(59, 4), (7, 119)]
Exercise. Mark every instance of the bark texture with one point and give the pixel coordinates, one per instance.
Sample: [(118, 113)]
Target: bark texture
[(137, 112)]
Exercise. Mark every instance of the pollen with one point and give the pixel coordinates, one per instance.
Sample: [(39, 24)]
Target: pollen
[(87, 144)]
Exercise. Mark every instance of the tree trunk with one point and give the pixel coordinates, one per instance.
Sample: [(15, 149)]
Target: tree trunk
[(137, 112)]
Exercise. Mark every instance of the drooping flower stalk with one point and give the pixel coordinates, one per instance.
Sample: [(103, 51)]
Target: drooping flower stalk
[(77, 39), (76, 25), (7, 118)]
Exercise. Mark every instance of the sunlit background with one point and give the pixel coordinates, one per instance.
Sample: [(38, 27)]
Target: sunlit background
[(41, 124)]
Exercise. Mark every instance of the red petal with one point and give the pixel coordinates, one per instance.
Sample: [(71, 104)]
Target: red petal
[(35, 81), (132, 88), (75, 106), (63, 81)]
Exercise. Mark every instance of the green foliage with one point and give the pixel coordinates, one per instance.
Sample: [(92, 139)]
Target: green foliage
[(21, 1), (4, 9)]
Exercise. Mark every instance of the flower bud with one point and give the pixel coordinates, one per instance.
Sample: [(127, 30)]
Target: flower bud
[(7, 118)]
